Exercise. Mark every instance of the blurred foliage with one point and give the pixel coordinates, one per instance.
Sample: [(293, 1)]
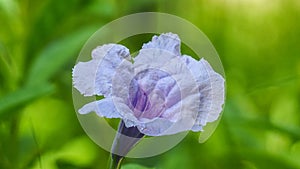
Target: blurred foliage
[(258, 43)]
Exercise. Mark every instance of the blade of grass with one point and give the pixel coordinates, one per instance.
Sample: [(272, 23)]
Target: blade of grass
[(56, 55), (22, 96)]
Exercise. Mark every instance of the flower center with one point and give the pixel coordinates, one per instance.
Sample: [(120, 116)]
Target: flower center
[(140, 102), (147, 95)]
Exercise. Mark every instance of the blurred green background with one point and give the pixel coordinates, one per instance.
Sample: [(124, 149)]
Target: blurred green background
[(258, 42)]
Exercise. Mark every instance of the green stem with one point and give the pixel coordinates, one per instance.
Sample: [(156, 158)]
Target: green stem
[(125, 140), (115, 161)]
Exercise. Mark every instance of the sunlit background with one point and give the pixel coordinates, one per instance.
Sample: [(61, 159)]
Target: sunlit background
[(258, 42)]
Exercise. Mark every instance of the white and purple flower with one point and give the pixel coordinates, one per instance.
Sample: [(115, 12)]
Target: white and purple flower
[(160, 91)]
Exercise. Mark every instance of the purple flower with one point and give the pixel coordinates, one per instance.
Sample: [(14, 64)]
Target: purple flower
[(160, 91)]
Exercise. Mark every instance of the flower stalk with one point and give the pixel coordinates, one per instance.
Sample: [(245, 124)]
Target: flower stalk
[(125, 140), (115, 161)]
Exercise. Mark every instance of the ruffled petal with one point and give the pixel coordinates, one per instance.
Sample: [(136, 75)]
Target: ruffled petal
[(108, 65), (103, 108), (157, 52), (95, 77), (113, 51), (162, 126), (84, 76), (157, 127), (211, 87), (124, 74), (151, 58), (217, 92), (184, 98), (167, 41)]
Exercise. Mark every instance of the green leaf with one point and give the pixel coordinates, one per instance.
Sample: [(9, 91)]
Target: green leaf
[(57, 54), (22, 96), (46, 125), (80, 152), (134, 166), (263, 159), (49, 118)]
